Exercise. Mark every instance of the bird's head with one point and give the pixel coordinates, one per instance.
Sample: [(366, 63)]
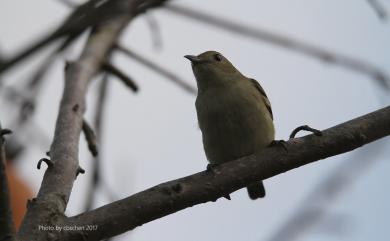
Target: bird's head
[(211, 68)]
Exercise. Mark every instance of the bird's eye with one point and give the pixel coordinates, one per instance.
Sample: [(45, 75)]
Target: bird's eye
[(218, 57)]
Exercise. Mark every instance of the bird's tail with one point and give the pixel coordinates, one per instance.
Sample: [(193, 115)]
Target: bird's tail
[(256, 190)]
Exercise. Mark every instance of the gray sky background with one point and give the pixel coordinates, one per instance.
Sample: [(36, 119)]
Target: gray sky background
[(152, 136)]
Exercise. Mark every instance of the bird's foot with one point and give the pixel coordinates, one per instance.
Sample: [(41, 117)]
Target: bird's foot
[(281, 143), (211, 168), (305, 128)]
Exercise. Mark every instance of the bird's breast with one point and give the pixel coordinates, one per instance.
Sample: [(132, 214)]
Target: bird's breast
[(234, 123)]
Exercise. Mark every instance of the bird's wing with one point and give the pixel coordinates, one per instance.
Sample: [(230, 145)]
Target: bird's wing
[(264, 95)]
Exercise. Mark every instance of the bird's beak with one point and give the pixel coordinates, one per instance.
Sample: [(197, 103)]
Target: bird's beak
[(194, 59)]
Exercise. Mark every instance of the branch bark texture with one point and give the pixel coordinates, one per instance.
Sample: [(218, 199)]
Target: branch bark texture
[(48, 208), (53, 196), (170, 197)]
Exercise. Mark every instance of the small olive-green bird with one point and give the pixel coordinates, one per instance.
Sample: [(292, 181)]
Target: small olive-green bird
[(234, 113)]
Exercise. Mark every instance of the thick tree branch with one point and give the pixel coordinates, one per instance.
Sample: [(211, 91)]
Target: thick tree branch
[(58, 180), (7, 228), (48, 208), (173, 196)]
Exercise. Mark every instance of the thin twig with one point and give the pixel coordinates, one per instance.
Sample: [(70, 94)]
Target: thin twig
[(155, 31), (176, 195), (83, 17), (93, 13), (34, 85), (285, 42), (98, 124), (158, 69), (379, 9), (127, 80), (7, 230), (27, 96), (91, 139), (68, 3)]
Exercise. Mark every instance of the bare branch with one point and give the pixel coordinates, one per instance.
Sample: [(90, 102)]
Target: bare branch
[(7, 230), (93, 13), (58, 181), (34, 85), (128, 81), (49, 206), (285, 42), (90, 138), (158, 69), (98, 124), (68, 3), (81, 18), (155, 31), (378, 8), (173, 196)]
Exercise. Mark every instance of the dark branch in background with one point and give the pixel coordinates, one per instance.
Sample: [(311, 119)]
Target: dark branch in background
[(173, 196), (24, 100), (379, 9), (1, 58), (90, 137), (7, 227), (68, 3), (96, 180), (155, 31), (170, 75), (29, 94), (34, 85), (93, 13), (128, 81), (314, 207), (13, 149), (158, 69), (98, 125), (286, 42), (81, 19)]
